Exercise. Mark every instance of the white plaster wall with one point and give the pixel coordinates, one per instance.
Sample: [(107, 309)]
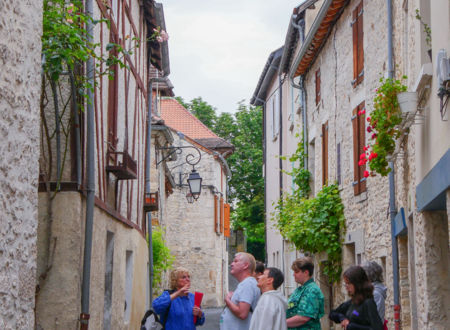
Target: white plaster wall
[(20, 58)]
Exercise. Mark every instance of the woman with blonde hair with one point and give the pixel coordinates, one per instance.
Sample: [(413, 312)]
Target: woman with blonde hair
[(176, 307)]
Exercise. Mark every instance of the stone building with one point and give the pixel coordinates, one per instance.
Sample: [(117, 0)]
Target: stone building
[(197, 233), (334, 55), (20, 88), (118, 267)]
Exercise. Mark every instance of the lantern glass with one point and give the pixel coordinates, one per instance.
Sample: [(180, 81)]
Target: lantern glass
[(190, 198), (195, 184)]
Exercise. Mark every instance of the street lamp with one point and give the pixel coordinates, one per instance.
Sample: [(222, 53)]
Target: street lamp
[(190, 198), (195, 184)]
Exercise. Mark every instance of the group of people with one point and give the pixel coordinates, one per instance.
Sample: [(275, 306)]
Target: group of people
[(256, 304)]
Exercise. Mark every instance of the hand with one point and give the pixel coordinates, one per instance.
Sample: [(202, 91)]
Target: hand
[(197, 311), (183, 291), (344, 323), (229, 295)]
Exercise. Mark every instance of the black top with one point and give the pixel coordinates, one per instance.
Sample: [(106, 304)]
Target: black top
[(362, 317)]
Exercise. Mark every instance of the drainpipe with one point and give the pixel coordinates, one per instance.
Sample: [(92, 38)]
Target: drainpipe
[(280, 151), (392, 207), (90, 170), (147, 183)]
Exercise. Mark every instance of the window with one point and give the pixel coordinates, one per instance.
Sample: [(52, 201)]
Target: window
[(128, 285), (325, 153), (109, 261), (358, 45), (274, 102), (359, 138), (317, 86), (226, 224)]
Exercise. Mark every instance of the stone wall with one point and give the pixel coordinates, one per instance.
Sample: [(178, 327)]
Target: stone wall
[(20, 58), (190, 232)]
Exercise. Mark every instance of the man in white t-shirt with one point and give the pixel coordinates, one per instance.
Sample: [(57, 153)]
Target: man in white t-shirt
[(241, 303)]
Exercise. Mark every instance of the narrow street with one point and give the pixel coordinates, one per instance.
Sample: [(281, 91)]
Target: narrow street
[(212, 316)]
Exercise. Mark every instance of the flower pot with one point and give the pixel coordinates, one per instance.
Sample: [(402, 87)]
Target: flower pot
[(407, 101)]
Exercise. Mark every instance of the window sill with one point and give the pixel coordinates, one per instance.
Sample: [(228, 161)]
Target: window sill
[(361, 197)]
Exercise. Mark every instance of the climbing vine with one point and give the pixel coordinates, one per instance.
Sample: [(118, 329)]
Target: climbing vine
[(162, 257), (315, 224)]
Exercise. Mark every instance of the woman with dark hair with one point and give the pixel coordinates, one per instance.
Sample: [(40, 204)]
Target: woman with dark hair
[(360, 312)]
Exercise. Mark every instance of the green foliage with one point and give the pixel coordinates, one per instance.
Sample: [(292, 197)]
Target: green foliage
[(315, 225), (426, 28), (384, 125), (162, 257), (299, 173), (205, 112)]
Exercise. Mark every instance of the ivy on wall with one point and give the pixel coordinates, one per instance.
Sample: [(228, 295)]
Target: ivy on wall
[(314, 224)]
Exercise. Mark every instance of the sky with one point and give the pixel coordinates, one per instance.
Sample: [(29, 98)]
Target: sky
[(218, 48)]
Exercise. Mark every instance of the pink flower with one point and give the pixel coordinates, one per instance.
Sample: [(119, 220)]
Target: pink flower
[(368, 119), (374, 136), (366, 174), (376, 89), (369, 129), (159, 39), (70, 8), (69, 20), (362, 156), (164, 35)]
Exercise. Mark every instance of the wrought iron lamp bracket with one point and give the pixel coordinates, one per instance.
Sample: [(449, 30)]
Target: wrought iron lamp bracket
[(190, 157)]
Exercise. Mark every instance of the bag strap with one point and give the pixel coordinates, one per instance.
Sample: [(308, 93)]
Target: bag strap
[(166, 314)]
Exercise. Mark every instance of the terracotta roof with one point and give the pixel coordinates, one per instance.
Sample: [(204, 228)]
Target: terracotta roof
[(180, 119), (320, 36)]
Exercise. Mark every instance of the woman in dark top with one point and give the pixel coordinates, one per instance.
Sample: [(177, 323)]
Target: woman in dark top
[(360, 312)]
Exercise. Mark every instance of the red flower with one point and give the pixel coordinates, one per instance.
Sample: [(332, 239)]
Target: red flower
[(362, 156), (368, 119), (373, 155), (366, 148), (363, 112), (362, 162), (359, 113), (366, 174), (369, 129), (374, 136)]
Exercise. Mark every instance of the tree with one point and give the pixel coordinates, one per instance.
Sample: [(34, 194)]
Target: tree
[(205, 112)]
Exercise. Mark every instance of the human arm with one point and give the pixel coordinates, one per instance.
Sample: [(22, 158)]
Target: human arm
[(161, 303), (297, 320), (338, 315), (197, 311), (239, 309)]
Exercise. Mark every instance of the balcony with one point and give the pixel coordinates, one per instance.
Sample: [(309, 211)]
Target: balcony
[(151, 202), (124, 167)]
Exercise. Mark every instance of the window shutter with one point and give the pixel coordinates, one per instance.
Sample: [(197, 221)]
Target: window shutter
[(355, 45), (324, 153), (317, 86), (226, 224), (360, 44), (221, 215), (215, 215), (355, 151), (361, 144)]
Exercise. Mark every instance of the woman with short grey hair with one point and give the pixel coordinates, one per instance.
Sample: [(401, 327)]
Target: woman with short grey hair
[(375, 274)]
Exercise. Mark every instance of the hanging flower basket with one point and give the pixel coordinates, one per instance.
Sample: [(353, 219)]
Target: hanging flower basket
[(408, 102), (384, 126)]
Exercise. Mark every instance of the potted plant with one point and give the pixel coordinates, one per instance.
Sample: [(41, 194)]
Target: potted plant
[(427, 30), (384, 126)]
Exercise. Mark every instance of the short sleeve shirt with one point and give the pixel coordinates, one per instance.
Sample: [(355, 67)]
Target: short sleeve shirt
[(307, 300), (246, 291)]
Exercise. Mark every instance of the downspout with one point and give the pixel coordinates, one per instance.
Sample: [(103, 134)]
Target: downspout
[(147, 183), (280, 152), (392, 207), (265, 177), (90, 170)]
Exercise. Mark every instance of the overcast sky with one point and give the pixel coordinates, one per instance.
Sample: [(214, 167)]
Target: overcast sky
[(218, 48)]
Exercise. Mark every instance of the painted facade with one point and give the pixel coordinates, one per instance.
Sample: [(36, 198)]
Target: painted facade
[(119, 265)]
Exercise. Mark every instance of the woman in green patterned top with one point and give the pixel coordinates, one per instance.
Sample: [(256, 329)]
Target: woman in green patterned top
[(305, 305)]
